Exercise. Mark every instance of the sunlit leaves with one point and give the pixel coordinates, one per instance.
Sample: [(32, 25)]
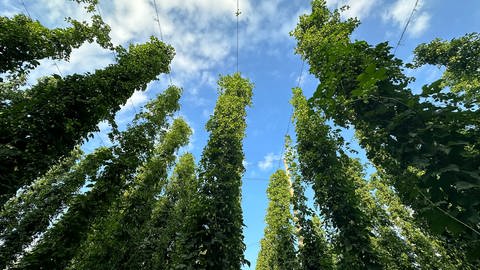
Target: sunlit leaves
[(277, 246), (134, 147), (364, 86), (46, 121), (335, 177), (219, 239), (460, 58)]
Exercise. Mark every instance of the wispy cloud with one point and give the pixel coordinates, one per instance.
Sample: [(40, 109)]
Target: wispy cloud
[(10, 9), (268, 161), (87, 58), (201, 31), (399, 12), (357, 8), (262, 23), (137, 100), (206, 113)]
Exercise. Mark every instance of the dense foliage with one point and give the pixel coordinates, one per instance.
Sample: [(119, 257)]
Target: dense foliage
[(218, 238), (164, 241), (136, 205), (460, 58), (426, 250), (314, 252), (25, 41), (277, 247), (60, 243), (45, 122), (30, 212), (115, 237), (428, 143), (333, 175)]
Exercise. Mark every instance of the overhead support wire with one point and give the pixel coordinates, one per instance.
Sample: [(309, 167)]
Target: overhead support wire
[(424, 196), (303, 66), (100, 13), (237, 14), (448, 214), (287, 131), (30, 17), (406, 26), (99, 135), (26, 10), (157, 19), (58, 68), (55, 63)]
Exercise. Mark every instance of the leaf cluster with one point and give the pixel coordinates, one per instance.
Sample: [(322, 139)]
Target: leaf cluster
[(428, 142)]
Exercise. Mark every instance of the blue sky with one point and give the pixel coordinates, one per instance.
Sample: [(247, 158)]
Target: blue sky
[(204, 36)]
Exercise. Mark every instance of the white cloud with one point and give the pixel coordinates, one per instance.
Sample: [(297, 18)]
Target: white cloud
[(420, 24), (201, 31), (52, 13), (137, 99), (357, 8), (193, 94), (104, 126), (399, 12), (263, 23), (206, 114), (196, 30), (9, 9), (87, 58), (215, 8), (268, 161), (130, 20)]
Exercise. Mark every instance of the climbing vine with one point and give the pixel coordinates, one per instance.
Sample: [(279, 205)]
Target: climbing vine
[(220, 172), (135, 205), (314, 251), (60, 243), (428, 142), (277, 247), (81, 101), (334, 176)]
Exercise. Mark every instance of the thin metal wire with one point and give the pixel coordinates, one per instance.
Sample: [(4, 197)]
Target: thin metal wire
[(237, 14), (448, 214), (424, 196), (161, 36), (97, 8), (158, 19), (101, 140), (58, 69), (55, 63), (26, 10), (30, 16), (406, 26), (299, 81), (100, 13)]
